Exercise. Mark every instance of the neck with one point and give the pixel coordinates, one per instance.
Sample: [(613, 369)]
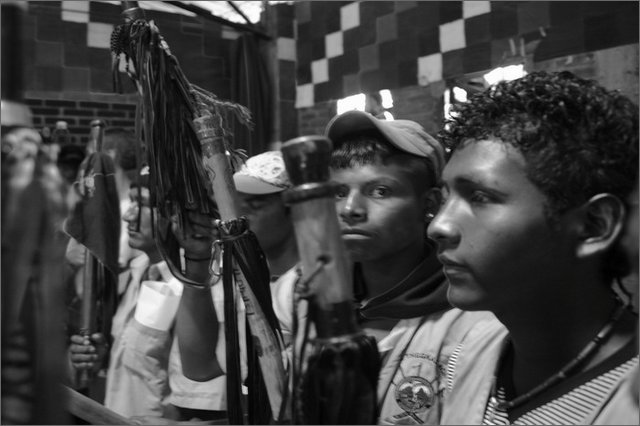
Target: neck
[(548, 335), (122, 183), (283, 256), (380, 275), (154, 256)]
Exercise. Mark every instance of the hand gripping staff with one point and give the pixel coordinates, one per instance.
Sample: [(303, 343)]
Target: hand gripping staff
[(95, 224), (339, 383), (188, 152), (89, 269)]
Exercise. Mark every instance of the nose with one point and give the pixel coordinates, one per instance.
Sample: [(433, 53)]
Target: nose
[(353, 209), (131, 214), (443, 228)]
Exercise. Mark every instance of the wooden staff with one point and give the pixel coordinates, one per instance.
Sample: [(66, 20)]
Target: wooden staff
[(89, 269), (219, 172), (96, 136), (169, 100), (339, 384), (91, 411), (317, 230)]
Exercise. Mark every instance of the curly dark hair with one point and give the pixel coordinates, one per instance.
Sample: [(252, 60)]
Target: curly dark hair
[(577, 138)]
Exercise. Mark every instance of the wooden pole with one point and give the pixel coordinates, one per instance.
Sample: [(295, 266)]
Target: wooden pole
[(218, 170), (339, 383)]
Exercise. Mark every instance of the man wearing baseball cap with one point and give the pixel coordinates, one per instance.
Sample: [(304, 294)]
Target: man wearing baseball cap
[(260, 183), (388, 175)]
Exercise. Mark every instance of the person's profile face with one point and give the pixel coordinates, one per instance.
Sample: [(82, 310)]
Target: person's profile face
[(139, 238), (268, 218), (494, 239), (379, 212)]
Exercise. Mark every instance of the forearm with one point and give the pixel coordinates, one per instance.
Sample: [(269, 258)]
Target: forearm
[(197, 327)]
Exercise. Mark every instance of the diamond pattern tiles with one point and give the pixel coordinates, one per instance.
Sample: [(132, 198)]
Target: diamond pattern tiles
[(397, 44)]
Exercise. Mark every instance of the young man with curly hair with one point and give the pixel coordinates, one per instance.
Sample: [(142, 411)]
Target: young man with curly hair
[(534, 203)]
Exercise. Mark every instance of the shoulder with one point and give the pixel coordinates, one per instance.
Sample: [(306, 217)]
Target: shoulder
[(622, 407), (283, 289), (287, 281), (415, 375), (455, 325)]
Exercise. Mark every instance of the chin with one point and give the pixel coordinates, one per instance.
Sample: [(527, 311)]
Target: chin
[(463, 298), (356, 252), (135, 245)]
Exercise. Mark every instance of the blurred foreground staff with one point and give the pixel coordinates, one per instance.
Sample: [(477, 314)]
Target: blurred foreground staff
[(32, 292), (338, 385), (95, 224)]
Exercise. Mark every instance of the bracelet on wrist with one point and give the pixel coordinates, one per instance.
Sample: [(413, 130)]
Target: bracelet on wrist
[(198, 286), (197, 259)]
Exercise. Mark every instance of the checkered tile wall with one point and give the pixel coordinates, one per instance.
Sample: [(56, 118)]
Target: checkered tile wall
[(343, 48), (67, 47)]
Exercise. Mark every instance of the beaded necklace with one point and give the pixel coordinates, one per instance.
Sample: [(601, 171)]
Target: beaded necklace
[(565, 371)]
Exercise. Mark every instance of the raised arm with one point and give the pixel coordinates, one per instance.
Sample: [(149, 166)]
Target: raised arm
[(196, 321)]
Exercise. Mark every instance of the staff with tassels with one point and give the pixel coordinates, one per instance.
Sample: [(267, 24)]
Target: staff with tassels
[(338, 384), (90, 269), (186, 132), (95, 224)]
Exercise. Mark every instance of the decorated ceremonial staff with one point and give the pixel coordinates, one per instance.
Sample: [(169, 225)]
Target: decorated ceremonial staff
[(95, 224), (338, 384), (189, 154)]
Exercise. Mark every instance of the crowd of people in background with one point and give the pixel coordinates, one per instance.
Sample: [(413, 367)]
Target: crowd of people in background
[(490, 262)]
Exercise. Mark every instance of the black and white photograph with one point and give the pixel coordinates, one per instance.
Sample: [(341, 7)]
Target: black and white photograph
[(320, 212)]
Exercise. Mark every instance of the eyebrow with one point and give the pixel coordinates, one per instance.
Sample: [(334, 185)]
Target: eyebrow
[(468, 181), (383, 180)]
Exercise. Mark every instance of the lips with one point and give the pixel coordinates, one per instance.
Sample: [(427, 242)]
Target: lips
[(355, 232), (447, 261), (132, 231), (450, 264)]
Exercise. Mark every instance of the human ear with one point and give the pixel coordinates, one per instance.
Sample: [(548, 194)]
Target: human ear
[(432, 200), (602, 222)]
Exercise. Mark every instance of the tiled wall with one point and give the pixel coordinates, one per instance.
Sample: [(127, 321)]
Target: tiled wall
[(322, 51), (67, 63), (414, 47), (345, 48), (281, 25)]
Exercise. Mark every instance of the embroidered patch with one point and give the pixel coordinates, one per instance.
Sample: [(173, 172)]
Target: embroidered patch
[(87, 184), (414, 394), (439, 366)]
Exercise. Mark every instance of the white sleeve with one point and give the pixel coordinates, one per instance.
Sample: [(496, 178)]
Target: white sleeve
[(158, 303)]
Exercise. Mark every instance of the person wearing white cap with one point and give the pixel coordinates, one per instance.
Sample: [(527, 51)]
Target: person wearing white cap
[(387, 174), (260, 183)]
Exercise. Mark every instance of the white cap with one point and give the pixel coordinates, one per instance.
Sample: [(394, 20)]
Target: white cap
[(262, 174)]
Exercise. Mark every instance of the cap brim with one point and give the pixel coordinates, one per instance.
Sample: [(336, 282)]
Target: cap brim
[(353, 122), (251, 185), (402, 134), (348, 123)]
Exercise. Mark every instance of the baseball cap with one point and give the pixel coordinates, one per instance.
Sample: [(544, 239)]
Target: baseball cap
[(406, 135), (262, 174)]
